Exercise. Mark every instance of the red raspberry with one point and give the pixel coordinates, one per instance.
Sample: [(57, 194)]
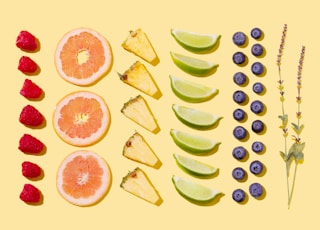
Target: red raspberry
[(27, 65), (30, 170), (30, 145), (30, 90), (30, 116), (30, 194), (26, 41)]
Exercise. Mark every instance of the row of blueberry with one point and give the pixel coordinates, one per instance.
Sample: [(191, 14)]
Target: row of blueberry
[(257, 107), (30, 117)]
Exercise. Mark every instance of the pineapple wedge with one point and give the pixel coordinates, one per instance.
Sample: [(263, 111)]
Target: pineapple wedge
[(136, 148), (137, 183), (138, 111), (138, 43), (139, 77)]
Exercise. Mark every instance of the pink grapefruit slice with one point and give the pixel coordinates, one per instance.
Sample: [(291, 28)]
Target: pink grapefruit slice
[(83, 56)]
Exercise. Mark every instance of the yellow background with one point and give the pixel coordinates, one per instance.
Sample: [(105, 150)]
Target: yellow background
[(50, 20)]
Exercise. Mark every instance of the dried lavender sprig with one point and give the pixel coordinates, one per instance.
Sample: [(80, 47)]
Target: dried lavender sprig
[(283, 39)]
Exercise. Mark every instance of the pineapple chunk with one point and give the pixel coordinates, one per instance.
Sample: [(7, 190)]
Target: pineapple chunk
[(136, 148), (138, 43), (137, 183), (139, 77), (138, 111)]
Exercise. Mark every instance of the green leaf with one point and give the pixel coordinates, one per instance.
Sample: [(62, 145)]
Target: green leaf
[(290, 158), (283, 155), (297, 129), (299, 157), (284, 118)]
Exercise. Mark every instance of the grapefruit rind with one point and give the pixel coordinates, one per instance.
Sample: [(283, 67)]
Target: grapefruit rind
[(95, 137), (106, 179), (102, 69)]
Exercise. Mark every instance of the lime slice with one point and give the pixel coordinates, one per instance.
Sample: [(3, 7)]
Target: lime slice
[(194, 191), (191, 91), (195, 167), (193, 66), (195, 118), (193, 143), (195, 42)]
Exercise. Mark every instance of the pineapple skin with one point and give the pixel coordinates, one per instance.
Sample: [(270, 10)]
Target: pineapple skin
[(133, 110), (139, 77), (137, 183), (137, 149), (138, 43)]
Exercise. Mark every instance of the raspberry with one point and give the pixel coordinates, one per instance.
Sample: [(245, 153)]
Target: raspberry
[(30, 90), (30, 194), (30, 170), (30, 145), (27, 65), (26, 41), (30, 116)]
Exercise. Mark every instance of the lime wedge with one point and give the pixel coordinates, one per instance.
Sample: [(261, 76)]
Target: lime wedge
[(191, 91), (193, 143), (195, 167), (195, 42), (193, 66), (194, 191), (195, 118)]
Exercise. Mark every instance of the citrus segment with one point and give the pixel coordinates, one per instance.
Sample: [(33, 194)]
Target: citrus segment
[(195, 42), (194, 191), (81, 118), (195, 118), (83, 178), (191, 91), (193, 66), (83, 56), (194, 167), (193, 143)]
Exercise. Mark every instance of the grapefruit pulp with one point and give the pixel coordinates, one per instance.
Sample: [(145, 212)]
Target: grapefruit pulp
[(81, 118), (83, 56), (83, 178)]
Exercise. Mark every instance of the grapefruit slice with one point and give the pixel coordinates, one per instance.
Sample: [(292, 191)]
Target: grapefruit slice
[(83, 178), (83, 56), (81, 118)]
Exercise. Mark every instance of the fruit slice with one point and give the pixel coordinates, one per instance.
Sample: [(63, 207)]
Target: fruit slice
[(138, 111), (139, 77), (195, 167), (81, 118), (193, 66), (138, 43), (194, 191), (83, 178), (137, 183), (195, 42), (193, 143), (191, 91), (136, 148), (83, 56), (194, 117)]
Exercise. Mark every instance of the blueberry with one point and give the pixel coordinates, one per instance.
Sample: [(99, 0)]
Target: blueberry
[(256, 190), (239, 132), (239, 96), (238, 173), (239, 78), (257, 50), (256, 33), (239, 58), (256, 167), (257, 146), (239, 152), (258, 87), (257, 126), (257, 107), (257, 68), (238, 195), (239, 38), (239, 114)]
